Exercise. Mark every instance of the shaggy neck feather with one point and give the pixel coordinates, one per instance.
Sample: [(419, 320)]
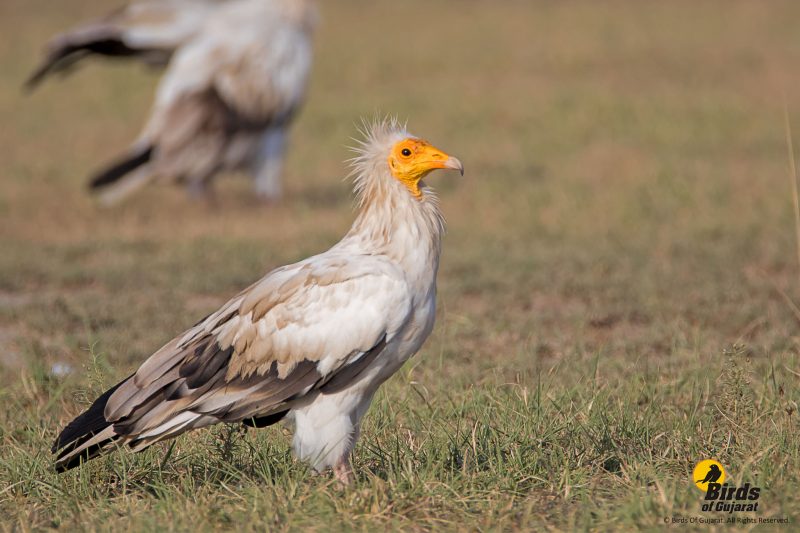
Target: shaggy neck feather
[(391, 220)]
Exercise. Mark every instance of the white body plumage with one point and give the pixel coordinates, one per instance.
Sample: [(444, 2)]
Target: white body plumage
[(327, 425)]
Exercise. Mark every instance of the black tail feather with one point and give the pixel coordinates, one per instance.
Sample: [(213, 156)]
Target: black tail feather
[(84, 427), (119, 169)]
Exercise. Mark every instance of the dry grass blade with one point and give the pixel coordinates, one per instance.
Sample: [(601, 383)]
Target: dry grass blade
[(793, 178)]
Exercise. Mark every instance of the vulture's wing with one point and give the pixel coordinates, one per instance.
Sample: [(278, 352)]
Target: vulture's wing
[(312, 326), (148, 30)]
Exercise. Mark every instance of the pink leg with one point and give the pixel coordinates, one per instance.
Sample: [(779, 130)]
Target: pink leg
[(343, 472)]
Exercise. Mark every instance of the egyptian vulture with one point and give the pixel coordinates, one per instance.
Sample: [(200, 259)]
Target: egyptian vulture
[(236, 77), (309, 342)]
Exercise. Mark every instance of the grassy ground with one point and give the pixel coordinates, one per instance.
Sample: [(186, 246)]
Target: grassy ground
[(616, 293)]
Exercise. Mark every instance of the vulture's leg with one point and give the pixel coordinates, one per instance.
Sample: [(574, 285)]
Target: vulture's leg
[(343, 471), (269, 164), (200, 187)]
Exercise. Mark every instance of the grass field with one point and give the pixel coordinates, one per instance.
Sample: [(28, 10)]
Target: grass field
[(618, 292)]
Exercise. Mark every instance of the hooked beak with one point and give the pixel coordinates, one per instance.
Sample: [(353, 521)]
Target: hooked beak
[(437, 159), (454, 164)]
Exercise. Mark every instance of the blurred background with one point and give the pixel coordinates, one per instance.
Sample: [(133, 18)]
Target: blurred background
[(625, 216)]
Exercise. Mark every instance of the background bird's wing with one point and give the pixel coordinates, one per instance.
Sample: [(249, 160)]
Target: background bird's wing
[(313, 325), (262, 73), (150, 31)]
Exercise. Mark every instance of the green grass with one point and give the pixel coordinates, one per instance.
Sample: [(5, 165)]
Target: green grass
[(616, 287)]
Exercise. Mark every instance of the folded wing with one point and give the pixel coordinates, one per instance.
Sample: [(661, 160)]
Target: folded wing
[(308, 328)]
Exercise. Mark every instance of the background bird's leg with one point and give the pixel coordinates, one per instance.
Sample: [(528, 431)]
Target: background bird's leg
[(202, 188), (197, 189), (269, 164)]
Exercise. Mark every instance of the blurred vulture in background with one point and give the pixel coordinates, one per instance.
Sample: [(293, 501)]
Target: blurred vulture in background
[(236, 75)]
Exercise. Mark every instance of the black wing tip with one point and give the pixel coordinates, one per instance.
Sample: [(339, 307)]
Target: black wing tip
[(86, 455), (58, 59), (68, 48), (84, 427), (33, 81)]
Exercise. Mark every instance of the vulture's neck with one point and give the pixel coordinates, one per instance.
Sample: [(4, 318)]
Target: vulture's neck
[(406, 229)]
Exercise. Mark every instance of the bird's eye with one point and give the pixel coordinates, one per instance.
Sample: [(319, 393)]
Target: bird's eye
[(406, 152)]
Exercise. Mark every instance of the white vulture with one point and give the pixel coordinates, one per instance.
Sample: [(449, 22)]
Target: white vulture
[(310, 342), (236, 77)]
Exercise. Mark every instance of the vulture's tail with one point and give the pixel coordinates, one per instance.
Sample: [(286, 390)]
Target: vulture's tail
[(123, 177), (87, 436)]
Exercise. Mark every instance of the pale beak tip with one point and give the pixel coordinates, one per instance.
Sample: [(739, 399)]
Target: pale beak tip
[(454, 164)]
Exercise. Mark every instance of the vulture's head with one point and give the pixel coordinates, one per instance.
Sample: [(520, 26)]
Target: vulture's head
[(392, 161)]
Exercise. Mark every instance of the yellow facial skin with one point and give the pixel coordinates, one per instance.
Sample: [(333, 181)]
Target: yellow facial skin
[(412, 159)]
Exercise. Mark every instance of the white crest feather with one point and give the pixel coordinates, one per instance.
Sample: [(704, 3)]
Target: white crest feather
[(378, 135)]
